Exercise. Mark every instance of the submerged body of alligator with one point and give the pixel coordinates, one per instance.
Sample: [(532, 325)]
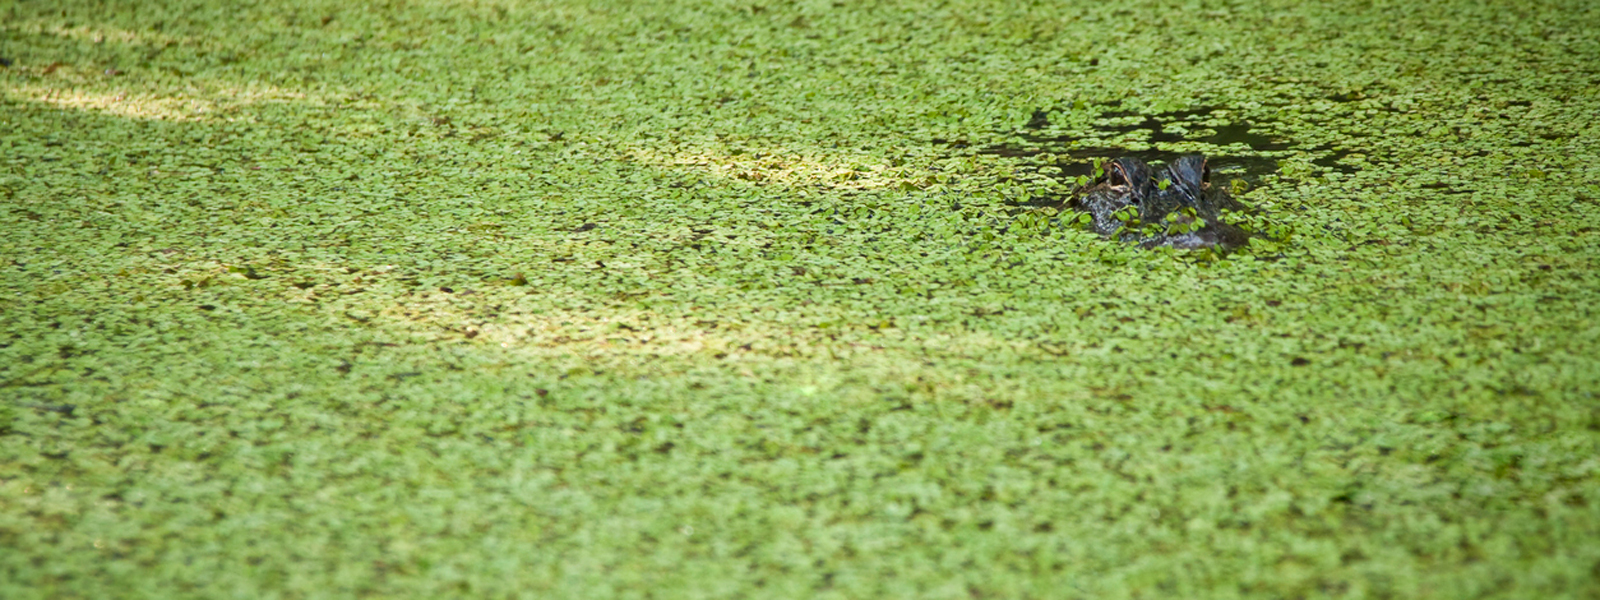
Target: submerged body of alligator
[(1176, 207)]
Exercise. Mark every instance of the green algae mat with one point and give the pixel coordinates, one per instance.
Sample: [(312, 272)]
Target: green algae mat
[(502, 299)]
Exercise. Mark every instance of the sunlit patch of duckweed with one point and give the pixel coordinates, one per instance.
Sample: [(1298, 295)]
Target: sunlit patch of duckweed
[(764, 299), (126, 102)]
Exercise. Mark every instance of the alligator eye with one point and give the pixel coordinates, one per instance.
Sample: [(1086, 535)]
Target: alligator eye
[(1118, 177)]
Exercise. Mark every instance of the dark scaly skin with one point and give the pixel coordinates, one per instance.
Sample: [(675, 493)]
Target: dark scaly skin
[(1126, 182), (1180, 202)]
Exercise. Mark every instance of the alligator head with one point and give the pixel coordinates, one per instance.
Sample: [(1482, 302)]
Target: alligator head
[(1177, 206)]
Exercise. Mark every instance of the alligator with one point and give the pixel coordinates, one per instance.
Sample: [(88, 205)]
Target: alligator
[(1177, 207)]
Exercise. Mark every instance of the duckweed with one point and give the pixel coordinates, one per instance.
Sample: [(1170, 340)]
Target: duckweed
[(491, 298)]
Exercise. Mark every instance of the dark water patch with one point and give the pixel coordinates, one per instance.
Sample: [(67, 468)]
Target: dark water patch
[(1160, 129), (1240, 133), (1252, 169), (1208, 126), (1332, 161)]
